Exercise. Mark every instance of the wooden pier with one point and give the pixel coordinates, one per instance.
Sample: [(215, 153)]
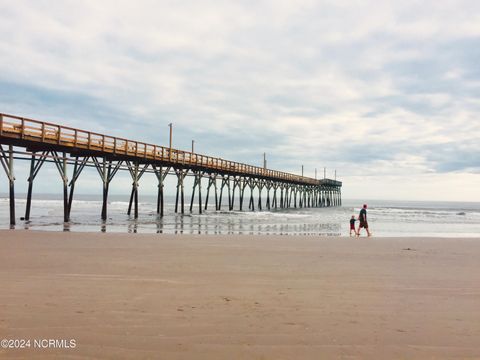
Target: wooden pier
[(68, 147)]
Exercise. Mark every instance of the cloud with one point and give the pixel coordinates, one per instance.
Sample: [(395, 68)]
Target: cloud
[(367, 88)]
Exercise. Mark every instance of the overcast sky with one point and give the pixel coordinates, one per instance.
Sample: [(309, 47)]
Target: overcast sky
[(388, 94)]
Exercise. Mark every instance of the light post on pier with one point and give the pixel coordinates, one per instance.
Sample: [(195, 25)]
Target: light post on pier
[(171, 132)]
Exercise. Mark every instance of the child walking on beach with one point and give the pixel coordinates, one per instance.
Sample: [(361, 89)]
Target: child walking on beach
[(352, 225)]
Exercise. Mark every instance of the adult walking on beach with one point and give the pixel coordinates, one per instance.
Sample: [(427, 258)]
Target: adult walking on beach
[(362, 217)]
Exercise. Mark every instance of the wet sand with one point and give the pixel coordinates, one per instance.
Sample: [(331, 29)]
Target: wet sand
[(239, 297)]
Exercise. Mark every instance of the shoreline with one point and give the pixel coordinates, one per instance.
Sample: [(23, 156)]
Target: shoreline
[(240, 296), (387, 219)]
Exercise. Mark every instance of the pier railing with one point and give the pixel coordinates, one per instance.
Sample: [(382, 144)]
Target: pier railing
[(41, 132)]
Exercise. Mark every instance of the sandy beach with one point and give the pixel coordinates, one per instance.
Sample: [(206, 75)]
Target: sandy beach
[(239, 297)]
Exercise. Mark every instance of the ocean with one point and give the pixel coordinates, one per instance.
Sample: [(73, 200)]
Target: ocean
[(386, 218)]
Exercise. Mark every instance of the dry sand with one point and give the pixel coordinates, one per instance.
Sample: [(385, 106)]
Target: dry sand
[(239, 297)]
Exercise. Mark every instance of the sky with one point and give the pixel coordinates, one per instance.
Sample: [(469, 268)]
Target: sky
[(385, 93)]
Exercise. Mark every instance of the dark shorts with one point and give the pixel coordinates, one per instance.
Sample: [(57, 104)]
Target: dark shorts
[(352, 227), (363, 224)]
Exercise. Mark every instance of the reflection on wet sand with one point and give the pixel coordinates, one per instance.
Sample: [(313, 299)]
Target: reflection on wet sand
[(218, 226), (205, 224)]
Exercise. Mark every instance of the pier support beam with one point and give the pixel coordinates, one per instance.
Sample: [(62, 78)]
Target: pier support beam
[(281, 195), (285, 196), (225, 182), (212, 181), (275, 187), (136, 174), (161, 175), (61, 164), (77, 170), (236, 183), (251, 184), (292, 189), (197, 182), (35, 166), (268, 186), (106, 175), (287, 189), (260, 188), (242, 192), (7, 164), (181, 173), (30, 188)]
